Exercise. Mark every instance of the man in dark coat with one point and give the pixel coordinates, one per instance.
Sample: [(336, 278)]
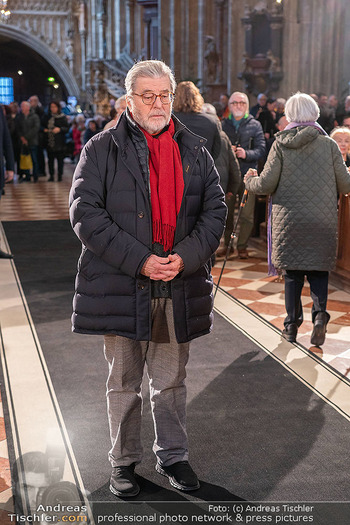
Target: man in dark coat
[(28, 125), (147, 205), (6, 151), (247, 138)]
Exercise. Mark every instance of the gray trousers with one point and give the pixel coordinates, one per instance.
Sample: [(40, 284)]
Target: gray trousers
[(166, 361)]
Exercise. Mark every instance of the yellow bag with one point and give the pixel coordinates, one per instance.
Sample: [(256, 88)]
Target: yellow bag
[(25, 162)]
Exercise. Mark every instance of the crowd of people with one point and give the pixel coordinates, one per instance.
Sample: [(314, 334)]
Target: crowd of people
[(52, 134), (37, 134)]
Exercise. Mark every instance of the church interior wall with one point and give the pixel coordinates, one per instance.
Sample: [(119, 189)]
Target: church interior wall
[(315, 40)]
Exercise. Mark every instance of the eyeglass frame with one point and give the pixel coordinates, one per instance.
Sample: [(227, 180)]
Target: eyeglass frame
[(238, 103), (170, 94)]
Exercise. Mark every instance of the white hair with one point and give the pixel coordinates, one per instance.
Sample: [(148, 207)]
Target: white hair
[(119, 101), (148, 68), (301, 108), (243, 95)]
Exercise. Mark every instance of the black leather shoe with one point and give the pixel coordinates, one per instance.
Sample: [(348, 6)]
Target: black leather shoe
[(123, 482), (319, 332), (180, 475), (5, 255), (290, 332)]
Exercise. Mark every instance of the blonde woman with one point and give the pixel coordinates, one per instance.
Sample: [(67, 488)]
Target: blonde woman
[(341, 135)]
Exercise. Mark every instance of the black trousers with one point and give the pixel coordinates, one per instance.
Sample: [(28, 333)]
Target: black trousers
[(52, 155), (293, 285)]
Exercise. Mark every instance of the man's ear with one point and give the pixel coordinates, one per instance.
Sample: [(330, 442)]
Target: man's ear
[(129, 103)]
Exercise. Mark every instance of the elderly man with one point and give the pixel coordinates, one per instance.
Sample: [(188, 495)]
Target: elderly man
[(147, 206), (28, 125), (259, 106), (247, 138)]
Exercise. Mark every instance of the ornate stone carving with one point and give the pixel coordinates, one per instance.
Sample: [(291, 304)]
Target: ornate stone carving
[(275, 63), (43, 5), (69, 52), (262, 60), (260, 7)]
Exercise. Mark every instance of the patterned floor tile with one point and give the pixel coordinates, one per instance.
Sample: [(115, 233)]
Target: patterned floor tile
[(344, 320), (5, 474), (235, 283), (2, 429), (339, 295), (270, 309), (251, 295), (245, 274), (263, 286)]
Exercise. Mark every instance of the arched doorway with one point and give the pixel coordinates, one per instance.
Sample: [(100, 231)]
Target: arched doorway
[(23, 52)]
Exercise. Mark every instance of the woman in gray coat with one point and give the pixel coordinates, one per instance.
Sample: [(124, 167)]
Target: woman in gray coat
[(304, 173)]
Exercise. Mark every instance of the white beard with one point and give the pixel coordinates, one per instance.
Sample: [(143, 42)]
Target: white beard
[(152, 126)]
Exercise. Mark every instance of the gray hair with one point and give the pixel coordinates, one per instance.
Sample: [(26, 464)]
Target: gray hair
[(301, 108), (119, 101), (243, 95), (148, 68)]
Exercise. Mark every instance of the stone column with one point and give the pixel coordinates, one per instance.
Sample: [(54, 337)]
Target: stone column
[(276, 26), (184, 37), (200, 39), (100, 30), (93, 29), (130, 16), (82, 33), (229, 48), (220, 6), (117, 28), (172, 34)]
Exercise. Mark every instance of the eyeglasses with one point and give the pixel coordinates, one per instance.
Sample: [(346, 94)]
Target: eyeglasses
[(240, 103), (150, 98)]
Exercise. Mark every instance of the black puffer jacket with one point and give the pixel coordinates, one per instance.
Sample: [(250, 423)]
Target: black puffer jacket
[(111, 215), (205, 126), (250, 137)]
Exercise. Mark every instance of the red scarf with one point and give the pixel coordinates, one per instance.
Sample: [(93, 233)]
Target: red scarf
[(167, 185)]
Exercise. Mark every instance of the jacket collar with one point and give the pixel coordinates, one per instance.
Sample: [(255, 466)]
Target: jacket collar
[(182, 134)]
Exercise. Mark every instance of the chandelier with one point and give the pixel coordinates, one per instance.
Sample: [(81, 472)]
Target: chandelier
[(4, 11)]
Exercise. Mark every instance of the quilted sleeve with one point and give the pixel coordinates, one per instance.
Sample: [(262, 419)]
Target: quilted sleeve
[(342, 175), (268, 180)]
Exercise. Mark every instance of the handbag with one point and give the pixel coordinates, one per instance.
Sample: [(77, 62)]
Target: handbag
[(25, 160)]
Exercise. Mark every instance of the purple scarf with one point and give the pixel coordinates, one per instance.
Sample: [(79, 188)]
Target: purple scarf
[(316, 125), (271, 269)]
